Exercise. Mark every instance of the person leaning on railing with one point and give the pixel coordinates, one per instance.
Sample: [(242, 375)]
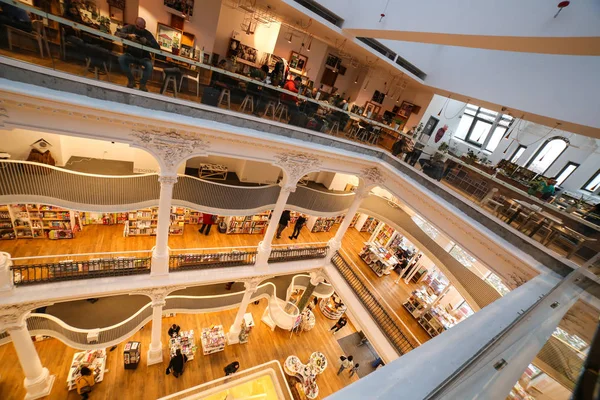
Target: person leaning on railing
[(133, 55)]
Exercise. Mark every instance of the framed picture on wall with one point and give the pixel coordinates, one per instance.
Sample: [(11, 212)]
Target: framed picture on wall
[(333, 61), (298, 61), (167, 37), (405, 109), (185, 7), (378, 97), (116, 14), (429, 128), (371, 110)]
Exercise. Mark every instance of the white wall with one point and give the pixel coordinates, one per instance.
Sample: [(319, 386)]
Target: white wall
[(452, 298), (17, 143), (258, 172), (584, 150), (316, 55), (340, 181), (229, 25), (203, 23)]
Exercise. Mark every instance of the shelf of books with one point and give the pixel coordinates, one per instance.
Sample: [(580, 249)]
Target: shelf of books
[(34, 221), (184, 342), (323, 224), (250, 224), (93, 359), (365, 223), (7, 231), (213, 339), (141, 222), (97, 218), (354, 219), (384, 235), (131, 354)]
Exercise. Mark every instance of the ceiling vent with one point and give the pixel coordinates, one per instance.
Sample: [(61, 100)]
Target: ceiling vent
[(390, 54), (321, 12)]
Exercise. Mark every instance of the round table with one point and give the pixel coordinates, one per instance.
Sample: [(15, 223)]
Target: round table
[(307, 373)]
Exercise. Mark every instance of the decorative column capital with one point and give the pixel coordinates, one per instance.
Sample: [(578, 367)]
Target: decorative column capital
[(372, 177), (13, 316), (167, 179), (288, 188), (251, 284), (317, 276), (361, 192), (159, 294), (171, 146), (296, 165)]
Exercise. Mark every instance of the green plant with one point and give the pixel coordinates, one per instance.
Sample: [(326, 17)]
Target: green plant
[(471, 155), (175, 43), (104, 23), (443, 147)]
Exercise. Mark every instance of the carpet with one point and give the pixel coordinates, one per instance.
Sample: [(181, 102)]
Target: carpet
[(363, 355)]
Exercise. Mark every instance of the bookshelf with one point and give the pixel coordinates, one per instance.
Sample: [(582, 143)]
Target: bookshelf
[(141, 222), (131, 355), (96, 218), (36, 221), (354, 219), (250, 224), (320, 224), (213, 339), (6, 226), (365, 223), (385, 235)]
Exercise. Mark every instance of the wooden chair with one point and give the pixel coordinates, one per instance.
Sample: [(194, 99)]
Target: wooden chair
[(38, 34), (567, 236)]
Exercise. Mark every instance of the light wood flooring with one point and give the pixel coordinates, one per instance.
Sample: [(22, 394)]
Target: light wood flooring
[(150, 382)]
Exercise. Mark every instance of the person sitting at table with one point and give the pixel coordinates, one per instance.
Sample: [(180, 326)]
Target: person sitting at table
[(289, 100), (15, 17), (277, 73), (133, 55), (261, 75)]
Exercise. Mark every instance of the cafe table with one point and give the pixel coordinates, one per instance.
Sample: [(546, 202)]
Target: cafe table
[(547, 218), (520, 206)]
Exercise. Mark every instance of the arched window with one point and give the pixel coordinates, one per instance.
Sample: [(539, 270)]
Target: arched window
[(547, 154)]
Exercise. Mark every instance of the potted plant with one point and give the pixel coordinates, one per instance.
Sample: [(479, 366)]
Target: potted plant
[(175, 46), (471, 157), (443, 147), (104, 24)]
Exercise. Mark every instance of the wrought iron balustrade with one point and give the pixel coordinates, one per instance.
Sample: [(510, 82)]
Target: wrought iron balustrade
[(293, 253), (235, 258)]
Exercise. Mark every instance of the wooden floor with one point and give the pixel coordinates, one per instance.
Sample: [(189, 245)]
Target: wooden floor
[(150, 382)]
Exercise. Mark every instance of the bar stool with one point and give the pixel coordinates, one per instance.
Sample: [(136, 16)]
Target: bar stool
[(375, 136), (248, 101), (172, 75), (336, 126), (271, 106), (225, 93), (281, 109)]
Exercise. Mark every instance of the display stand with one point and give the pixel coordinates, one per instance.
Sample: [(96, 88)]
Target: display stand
[(332, 308), (131, 354), (213, 339), (212, 171), (380, 260), (246, 329), (307, 373), (184, 342), (93, 359)]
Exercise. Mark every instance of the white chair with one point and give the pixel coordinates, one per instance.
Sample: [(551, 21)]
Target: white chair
[(225, 93), (282, 109), (248, 102), (192, 78), (271, 106)]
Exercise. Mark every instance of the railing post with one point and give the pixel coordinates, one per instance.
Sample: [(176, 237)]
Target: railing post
[(504, 337), (38, 381), (6, 274), (160, 255), (335, 243), (234, 331), (264, 247)]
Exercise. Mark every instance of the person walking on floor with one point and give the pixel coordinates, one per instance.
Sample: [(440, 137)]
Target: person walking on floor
[(208, 221), (177, 363), (339, 324), (231, 368), (354, 370), (345, 363), (300, 222), (85, 382), (284, 221)]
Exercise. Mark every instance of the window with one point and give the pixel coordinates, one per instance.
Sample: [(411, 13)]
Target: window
[(497, 284), (426, 227), (518, 153), (547, 154), (482, 127), (566, 172), (594, 183)]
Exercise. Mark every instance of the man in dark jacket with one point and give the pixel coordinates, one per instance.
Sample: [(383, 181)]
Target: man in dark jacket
[(283, 222), (133, 55), (176, 364), (300, 222)]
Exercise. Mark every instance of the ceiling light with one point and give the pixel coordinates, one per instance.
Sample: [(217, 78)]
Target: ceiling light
[(309, 44), (289, 39)]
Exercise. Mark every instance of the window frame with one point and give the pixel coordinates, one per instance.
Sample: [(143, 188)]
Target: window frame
[(514, 153), (563, 169), (539, 150), (594, 176), (500, 120)]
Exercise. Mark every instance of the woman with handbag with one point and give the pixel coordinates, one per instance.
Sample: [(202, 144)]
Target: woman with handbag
[(85, 382)]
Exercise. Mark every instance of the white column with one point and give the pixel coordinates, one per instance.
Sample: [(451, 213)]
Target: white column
[(6, 278), (234, 330), (38, 381), (155, 352), (413, 272), (264, 247), (335, 243), (160, 254), (494, 346)]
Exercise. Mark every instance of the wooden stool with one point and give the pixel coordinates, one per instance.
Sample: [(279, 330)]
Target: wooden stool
[(171, 75), (280, 110), (272, 106), (248, 100), (225, 93)]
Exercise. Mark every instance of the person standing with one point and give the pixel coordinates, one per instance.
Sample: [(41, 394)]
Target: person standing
[(300, 222), (177, 362), (354, 369), (85, 382), (345, 363), (134, 55), (283, 222), (207, 222), (231, 368), (174, 330), (339, 324)]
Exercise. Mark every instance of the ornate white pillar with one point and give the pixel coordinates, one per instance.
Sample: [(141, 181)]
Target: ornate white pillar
[(38, 381), (484, 355), (335, 243), (264, 247), (295, 166), (160, 254), (234, 331), (6, 278), (158, 296)]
